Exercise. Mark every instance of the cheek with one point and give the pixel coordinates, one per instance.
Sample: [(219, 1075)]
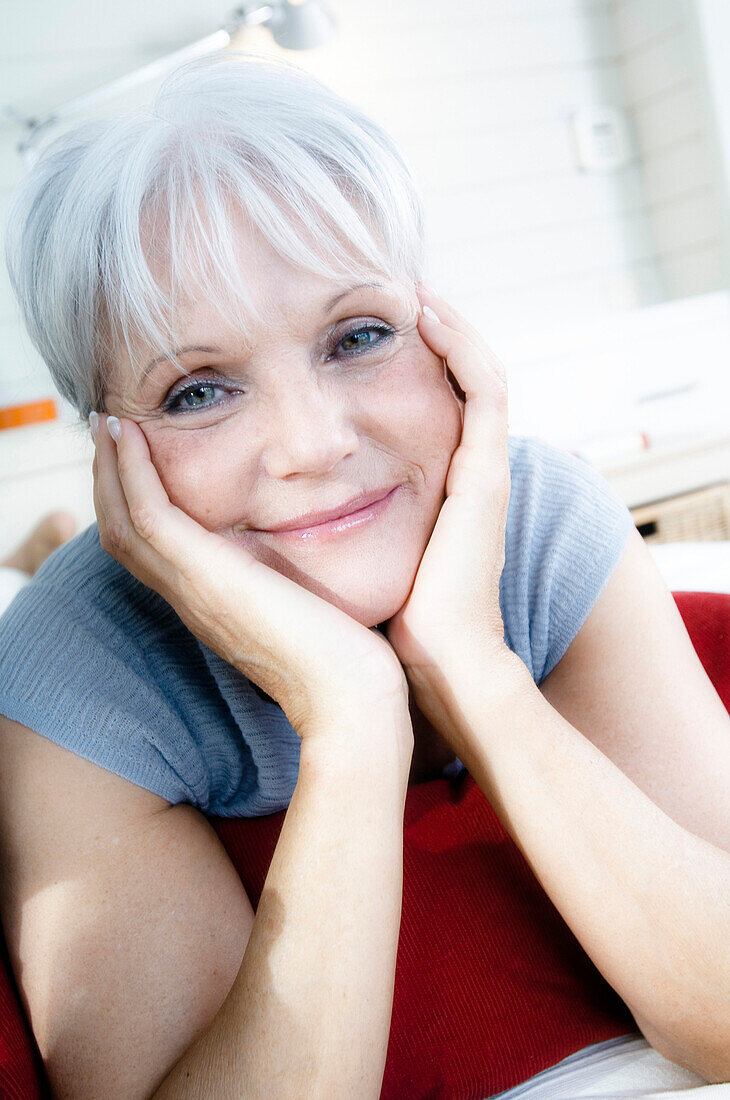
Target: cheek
[(198, 471), (424, 411)]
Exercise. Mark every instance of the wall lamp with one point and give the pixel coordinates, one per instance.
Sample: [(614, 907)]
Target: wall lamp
[(294, 26)]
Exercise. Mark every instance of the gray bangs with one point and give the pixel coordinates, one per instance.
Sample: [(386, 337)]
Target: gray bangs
[(121, 221)]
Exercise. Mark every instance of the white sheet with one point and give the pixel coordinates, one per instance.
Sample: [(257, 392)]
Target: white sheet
[(693, 566), (626, 1068)]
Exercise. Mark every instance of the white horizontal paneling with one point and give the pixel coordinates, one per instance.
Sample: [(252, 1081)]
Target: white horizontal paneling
[(502, 313), (657, 69), (399, 53), (501, 155), (657, 64), (520, 207), (669, 119), (640, 23), (696, 271), (88, 25), (36, 84), (685, 222), (469, 105), (677, 170), (45, 30), (542, 256), (455, 46)]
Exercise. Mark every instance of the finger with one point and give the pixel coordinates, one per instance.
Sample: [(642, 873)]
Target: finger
[(478, 481), (449, 316), (117, 532), (111, 506), (148, 506), (485, 412), (164, 528)]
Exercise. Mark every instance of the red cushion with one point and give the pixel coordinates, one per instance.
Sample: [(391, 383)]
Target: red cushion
[(706, 616), (21, 1068), (450, 1038)]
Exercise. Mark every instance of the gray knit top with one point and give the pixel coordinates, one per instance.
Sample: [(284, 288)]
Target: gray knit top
[(97, 662)]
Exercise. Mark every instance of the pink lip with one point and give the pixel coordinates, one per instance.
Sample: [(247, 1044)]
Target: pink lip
[(338, 524), (312, 519)]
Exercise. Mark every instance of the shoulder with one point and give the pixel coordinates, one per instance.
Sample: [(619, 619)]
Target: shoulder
[(566, 531), (95, 661), (82, 573), (547, 476)]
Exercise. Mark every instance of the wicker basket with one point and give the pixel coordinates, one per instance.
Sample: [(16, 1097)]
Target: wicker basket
[(702, 516)]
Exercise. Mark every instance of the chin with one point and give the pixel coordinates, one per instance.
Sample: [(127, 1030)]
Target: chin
[(359, 602), (371, 596)]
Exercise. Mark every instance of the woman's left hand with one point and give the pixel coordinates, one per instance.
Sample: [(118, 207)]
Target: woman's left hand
[(452, 621)]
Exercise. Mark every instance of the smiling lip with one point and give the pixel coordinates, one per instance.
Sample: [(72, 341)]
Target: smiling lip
[(313, 519)]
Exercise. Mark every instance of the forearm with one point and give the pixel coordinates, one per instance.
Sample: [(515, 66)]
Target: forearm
[(649, 901), (309, 1013)]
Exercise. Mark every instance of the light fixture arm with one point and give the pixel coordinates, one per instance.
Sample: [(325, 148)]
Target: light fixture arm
[(249, 13)]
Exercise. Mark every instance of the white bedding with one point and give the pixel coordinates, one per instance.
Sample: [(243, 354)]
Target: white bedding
[(626, 1068), (693, 566)]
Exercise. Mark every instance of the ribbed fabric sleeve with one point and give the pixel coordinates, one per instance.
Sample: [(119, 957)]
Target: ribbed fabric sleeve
[(98, 663), (566, 531)]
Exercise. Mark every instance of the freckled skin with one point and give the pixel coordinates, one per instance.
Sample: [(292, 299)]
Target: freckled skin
[(308, 428)]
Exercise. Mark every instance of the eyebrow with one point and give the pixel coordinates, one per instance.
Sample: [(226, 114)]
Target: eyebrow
[(350, 290), (329, 306)]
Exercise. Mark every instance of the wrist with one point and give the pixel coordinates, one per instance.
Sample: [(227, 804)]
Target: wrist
[(366, 739), (468, 700), (491, 678)]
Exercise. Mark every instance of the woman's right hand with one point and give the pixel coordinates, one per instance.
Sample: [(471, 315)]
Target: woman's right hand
[(310, 656)]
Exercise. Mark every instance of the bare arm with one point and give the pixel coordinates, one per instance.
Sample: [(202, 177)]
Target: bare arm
[(309, 1013), (127, 925), (647, 899), (126, 921)]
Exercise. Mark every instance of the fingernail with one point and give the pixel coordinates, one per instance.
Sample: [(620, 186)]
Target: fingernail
[(428, 312), (115, 427), (94, 424)]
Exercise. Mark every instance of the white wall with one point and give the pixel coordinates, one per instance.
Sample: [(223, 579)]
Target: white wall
[(661, 68), (478, 94)]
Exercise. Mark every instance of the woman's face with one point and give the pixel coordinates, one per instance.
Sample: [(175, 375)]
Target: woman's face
[(336, 395)]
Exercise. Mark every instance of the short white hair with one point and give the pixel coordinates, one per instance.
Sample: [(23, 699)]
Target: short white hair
[(325, 185)]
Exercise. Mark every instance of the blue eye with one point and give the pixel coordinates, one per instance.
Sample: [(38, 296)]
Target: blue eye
[(361, 337), (196, 395)]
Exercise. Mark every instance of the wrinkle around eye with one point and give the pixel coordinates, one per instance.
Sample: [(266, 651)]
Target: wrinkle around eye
[(172, 401), (175, 402)]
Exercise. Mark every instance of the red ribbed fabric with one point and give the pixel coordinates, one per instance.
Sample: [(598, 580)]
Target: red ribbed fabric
[(491, 985), (21, 1068)]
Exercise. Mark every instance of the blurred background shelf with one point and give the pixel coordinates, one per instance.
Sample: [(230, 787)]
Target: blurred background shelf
[(703, 516), (670, 470)]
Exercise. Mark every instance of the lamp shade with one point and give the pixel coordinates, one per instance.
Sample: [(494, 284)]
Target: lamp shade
[(301, 26)]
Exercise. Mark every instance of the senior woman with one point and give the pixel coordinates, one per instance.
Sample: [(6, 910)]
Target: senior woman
[(323, 572)]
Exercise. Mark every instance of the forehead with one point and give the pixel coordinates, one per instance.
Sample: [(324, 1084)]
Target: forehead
[(275, 287)]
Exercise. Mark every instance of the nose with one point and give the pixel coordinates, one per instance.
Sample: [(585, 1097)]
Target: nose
[(307, 426)]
